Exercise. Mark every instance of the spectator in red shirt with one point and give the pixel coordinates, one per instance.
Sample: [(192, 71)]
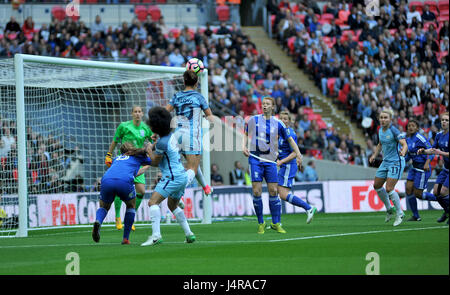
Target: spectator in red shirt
[(249, 107), (402, 121)]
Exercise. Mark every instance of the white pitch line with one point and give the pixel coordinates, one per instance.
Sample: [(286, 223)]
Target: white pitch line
[(234, 242)]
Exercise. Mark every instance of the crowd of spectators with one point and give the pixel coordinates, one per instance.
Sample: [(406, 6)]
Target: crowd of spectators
[(240, 74), (396, 60)]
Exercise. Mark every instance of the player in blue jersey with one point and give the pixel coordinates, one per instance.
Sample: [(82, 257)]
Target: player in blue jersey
[(440, 147), (420, 172), (118, 180), (288, 168), (174, 176), (393, 145), (264, 132), (189, 106)]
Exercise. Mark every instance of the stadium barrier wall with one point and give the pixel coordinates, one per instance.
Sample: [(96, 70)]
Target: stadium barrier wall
[(227, 201)]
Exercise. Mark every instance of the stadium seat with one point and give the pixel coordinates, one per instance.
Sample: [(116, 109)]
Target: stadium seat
[(58, 13), (223, 13), (91, 1), (135, 1), (443, 5), (314, 117), (141, 12), (327, 17), (343, 16), (301, 18), (432, 4), (417, 4), (443, 18), (154, 12), (294, 7)]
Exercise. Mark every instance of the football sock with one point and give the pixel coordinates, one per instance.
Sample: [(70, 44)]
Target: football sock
[(444, 202), (100, 214), (117, 206), (200, 178), (190, 176), (181, 218), (412, 201), (428, 196), (296, 201), (139, 198), (393, 195), (155, 217), (128, 222), (275, 208), (258, 205), (384, 197)]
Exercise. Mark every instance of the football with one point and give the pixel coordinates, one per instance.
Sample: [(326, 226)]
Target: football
[(196, 65)]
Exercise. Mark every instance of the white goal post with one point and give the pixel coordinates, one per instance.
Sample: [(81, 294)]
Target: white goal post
[(122, 84)]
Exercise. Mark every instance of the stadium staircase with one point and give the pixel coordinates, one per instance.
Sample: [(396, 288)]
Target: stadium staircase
[(321, 104)]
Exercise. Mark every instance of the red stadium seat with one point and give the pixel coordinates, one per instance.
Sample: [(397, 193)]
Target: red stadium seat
[(443, 18), (141, 12), (432, 4), (294, 7), (59, 13), (154, 12), (223, 13), (135, 1), (314, 117), (343, 15), (176, 32), (327, 16), (443, 5), (417, 4), (91, 1)]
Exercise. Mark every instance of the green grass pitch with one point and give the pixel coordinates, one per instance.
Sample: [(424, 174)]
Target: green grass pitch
[(333, 244)]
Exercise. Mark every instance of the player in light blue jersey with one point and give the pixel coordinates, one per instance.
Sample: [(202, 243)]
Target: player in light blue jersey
[(440, 147), (189, 106), (394, 147), (288, 169), (420, 172), (118, 180), (264, 132), (174, 177)]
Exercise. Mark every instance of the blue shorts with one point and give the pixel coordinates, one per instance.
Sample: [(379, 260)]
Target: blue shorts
[(443, 178), (391, 169), (420, 178), (286, 174), (110, 188), (263, 170), (174, 189)]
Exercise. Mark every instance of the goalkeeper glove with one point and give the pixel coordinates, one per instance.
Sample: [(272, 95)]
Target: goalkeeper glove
[(108, 159)]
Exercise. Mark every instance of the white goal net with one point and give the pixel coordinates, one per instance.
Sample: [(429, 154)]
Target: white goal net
[(71, 112)]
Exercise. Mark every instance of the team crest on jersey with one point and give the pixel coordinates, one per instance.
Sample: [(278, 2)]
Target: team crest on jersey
[(388, 136), (142, 133)]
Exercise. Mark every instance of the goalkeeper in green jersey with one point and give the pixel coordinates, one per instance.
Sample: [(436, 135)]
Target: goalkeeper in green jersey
[(136, 132)]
